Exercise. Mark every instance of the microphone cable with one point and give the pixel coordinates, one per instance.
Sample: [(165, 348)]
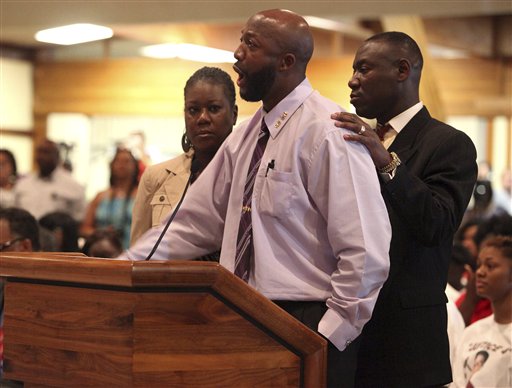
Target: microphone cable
[(194, 168)]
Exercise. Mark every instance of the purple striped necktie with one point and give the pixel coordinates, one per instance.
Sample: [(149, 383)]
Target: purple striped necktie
[(244, 241)]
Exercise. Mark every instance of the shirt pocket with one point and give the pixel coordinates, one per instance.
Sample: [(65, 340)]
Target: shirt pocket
[(276, 195), (160, 208)]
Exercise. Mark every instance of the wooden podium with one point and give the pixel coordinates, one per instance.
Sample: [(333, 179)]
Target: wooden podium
[(71, 320)]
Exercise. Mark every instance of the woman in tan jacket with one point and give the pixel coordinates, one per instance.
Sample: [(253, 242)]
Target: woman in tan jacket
[(210, 114)]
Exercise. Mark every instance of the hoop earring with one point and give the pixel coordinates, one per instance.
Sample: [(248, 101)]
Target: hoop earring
[(185, 143)]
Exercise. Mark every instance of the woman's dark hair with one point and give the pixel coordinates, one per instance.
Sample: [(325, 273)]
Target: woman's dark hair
[(12, 160), (22, 224), (68, 226), (496, 225), (501, 243), (215, 76)]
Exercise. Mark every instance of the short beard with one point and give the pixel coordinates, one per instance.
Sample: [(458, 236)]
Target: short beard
[(258, 84)]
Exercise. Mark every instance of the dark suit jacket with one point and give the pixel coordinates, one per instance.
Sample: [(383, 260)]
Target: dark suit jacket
[(405, 343)]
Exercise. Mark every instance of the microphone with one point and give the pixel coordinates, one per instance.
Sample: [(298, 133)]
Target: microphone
[(194, 169)]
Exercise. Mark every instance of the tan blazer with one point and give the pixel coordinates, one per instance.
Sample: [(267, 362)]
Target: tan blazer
[(160, 189)]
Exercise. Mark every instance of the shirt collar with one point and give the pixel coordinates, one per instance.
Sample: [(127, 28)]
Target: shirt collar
[(281, 113), (400, 121)]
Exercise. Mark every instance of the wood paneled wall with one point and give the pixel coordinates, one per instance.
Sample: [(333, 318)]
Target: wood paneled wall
[(155, 87), (480, 87), (127, 86)]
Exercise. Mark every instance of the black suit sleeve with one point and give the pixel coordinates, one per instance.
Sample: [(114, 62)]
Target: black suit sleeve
[(431, 191)]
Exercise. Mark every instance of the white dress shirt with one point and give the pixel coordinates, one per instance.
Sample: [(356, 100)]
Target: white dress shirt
[(59, 192), (398, 123), (320, 226)]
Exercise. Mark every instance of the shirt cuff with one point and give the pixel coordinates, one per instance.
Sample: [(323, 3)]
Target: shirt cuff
[(337, 330)]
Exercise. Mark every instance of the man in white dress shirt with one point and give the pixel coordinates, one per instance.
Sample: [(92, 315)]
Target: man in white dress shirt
[(51, 188), (320, 228)]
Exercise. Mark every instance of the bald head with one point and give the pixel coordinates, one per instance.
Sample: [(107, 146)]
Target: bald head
[(289, 30), (275, 48)]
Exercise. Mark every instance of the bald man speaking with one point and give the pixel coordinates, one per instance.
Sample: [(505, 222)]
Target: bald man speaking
[(295, 209)]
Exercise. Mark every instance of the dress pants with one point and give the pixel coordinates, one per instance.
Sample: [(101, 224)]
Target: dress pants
[(341, 366)]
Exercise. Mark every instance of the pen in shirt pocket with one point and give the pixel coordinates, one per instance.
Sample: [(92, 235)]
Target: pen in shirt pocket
[(270, 165)]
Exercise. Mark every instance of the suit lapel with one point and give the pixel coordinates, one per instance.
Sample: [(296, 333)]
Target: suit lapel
[(405, 142)]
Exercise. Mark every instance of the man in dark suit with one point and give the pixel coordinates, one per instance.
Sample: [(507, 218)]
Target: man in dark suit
[(427, 171)]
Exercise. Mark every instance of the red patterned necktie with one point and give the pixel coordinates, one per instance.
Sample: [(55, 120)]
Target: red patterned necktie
[(382, 130), (244, 241)]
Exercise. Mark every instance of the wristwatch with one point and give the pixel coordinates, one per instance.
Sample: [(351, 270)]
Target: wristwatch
[(395, 162)]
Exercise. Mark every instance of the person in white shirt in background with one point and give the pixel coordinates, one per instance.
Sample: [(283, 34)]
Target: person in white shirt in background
[(52, 188), (483, 356)]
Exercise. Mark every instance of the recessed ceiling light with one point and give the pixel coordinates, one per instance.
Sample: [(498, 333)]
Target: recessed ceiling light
[(191, 52), (348, 27), (74, 34), (438, 51)]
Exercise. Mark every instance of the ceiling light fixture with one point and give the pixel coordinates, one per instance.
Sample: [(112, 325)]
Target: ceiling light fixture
[(191, 52), (74, 34), (438, 51), (347, 27)]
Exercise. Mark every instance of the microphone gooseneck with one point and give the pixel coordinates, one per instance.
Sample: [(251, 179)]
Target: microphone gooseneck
[(194, 169)]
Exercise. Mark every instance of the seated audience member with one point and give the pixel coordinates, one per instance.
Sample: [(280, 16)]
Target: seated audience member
[(103, 243), (472, 306), (483, 355), (210, 113), (64, 229), (19, 232), (111, 209), (51, 188), (8, 177)]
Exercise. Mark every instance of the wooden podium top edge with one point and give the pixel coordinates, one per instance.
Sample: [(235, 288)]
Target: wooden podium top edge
[(158, 274), (76, 267)]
